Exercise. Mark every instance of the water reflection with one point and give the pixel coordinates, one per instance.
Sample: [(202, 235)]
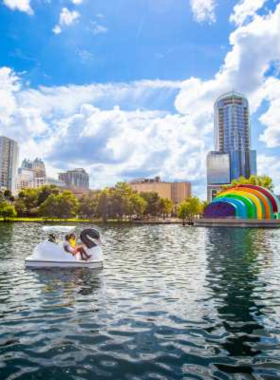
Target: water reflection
[(6, 239), (80, 280), (233, 277)]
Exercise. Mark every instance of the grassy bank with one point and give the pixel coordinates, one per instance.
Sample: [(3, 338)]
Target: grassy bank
[(93, 221), (48, 220)]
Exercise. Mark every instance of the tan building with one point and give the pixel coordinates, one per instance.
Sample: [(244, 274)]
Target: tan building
[(177, 192), (180, 191)]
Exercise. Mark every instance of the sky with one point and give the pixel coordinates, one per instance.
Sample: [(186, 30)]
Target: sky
[(126, 88)]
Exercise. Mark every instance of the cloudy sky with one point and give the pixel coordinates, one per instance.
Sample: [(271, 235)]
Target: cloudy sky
[(126, 88)]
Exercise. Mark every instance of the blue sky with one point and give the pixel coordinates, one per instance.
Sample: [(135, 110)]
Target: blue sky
[(126, 88)]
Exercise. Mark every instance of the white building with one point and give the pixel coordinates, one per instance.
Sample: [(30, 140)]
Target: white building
[(27, 180), (36, 165), (9, 153)]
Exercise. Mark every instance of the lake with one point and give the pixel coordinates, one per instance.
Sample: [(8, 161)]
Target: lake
[(171, 302)]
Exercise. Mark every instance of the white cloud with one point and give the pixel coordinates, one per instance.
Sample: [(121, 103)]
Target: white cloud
[(77, 2), (12, 113), (117, 141), (66, 18), (270, 165), (246, 9), (9, 86), (96, 28), (65, 126), (62, 101), (57, 29), (203, 10), (271, 118), (20, 5)]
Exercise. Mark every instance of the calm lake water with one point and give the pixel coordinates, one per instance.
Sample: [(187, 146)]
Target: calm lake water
[(171, 302)]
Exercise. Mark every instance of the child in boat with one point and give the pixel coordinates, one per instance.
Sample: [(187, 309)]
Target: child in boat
[(69, 245)]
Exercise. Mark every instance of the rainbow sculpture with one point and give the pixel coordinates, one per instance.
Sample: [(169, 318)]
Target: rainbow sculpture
[(244, 202)]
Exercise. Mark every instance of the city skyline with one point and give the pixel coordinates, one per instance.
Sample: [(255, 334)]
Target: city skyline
[(127, 91)]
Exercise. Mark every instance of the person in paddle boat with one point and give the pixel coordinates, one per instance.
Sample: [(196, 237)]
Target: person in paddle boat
[(52, 238), (69, 246)]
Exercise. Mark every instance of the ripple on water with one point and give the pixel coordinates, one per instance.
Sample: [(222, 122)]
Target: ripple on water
[(170, 303)]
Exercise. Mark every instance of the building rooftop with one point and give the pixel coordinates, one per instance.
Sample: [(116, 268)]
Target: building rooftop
[(230, 94)]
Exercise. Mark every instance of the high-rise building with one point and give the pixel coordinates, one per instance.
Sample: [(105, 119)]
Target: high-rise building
[(9, 152), (37, 166), (77, 178), (26, 164), (233, 134), (233, 156)]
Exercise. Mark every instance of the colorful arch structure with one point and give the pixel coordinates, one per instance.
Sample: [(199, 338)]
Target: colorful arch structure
[(244, 202)]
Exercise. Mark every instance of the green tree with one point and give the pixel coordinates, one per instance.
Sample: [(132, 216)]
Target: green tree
[(166, 207), (138, 205), (88, 204), (102, 208), (120, 200), (64, 205), (183, 211), (7, 210), (45, 191), (264, 181), (190, 208), (30, 199), (7, 194), (20, 207), (153, 203)]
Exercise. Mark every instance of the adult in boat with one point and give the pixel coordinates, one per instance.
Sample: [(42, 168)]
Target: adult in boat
[(52, 238), (69, 245)]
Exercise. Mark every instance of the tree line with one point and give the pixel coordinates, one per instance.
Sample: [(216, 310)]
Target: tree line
[(119, 202)]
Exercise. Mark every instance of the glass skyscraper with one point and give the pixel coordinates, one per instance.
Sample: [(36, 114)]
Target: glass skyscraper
[(233, 156), (233, 134)]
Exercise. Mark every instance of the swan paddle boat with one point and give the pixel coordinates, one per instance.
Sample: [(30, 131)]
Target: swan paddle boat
[(52, 254)]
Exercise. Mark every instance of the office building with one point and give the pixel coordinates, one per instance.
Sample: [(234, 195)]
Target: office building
[(9, 153), (77, 178), (233, 156), (233, 134), (177, 192)]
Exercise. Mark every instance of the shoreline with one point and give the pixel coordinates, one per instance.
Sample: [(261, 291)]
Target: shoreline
[(237, 223), (93, 221)]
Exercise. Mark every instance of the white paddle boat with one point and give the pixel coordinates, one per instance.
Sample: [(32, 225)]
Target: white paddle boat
[(52, 254)]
